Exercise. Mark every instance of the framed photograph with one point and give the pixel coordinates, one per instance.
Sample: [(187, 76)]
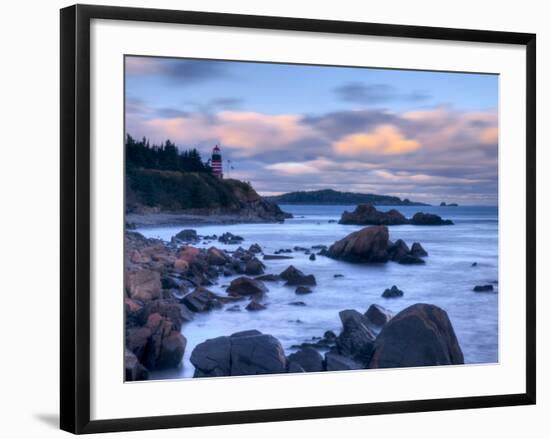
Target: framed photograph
[(274, 218)]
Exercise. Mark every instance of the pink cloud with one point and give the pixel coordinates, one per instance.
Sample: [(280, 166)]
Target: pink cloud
[(385, 139)]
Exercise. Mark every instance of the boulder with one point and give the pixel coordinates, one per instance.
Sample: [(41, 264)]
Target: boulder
[(245, 286), (215, 256), (312, 257), (366, 214), (303, 290), (136, 340), (410, 260), (295, 368), (293, 276), (188, 254), (242, 353), (133, 369), (187, 235), (143, 284), (165, 346), (390, 293), (308, 358), (334, 361), (398, 250), (255, 306), (229, 238), (429, 219), (420, 335), (378, 315), (356, 339), (367, 245), (254, 267), (202, 300), (255, 248), (418, 251), (178, 313), (483, 288), (268, 277)]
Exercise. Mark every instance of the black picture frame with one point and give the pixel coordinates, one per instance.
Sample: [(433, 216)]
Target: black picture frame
[(75, 217)]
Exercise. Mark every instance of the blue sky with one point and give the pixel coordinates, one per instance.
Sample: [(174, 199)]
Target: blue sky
[(428, 136)]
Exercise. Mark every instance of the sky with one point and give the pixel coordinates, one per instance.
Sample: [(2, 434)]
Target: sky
[(426, 136)]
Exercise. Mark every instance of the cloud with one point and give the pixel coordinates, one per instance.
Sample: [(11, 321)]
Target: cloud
[(385, 140), (300, 168), (183, 72), (376, 93)]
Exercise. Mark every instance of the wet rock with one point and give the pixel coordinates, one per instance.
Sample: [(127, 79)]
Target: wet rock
[(367, 245), (410, 260), (429, 219), (255, 306), (308, 358), (229, 238), (187, 235), (283, 250), (255, 248), (268, 278), (483, 288), (334, 361), (392, 292), (367, 214), (215, 256), (312, 257), (293, 276), (378, 315), (356, 339), (178, 313), (242, 353), (202, 300), (165, 346), (420, 335), (319, 247), (303, 290), (254, 267), (143, 284), (474, 264), (337, 275), (133, 369), (245, 286), (398, 250), (418, 251)]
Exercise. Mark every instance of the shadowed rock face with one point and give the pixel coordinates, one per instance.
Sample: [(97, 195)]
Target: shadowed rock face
[(366, 214), (429, 219), (366, 245), (420, 335), (242, 353), (356, 339)]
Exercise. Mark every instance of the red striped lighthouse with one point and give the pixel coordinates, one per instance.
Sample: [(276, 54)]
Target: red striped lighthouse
[(216, 163)]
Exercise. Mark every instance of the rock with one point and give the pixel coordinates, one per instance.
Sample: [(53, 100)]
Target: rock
[(202, 300), (229, 238), (143, 285), (418, 251), (254, 267), (378, 315), (293, 276), (268, 278), (398, 250), (294, 367), (337, 275), (133, 369), (303, 290), (367, 245), (245, 286), (429, 219), (178, 313), (242, 353), (420, 335), (300, 249), (392, 292), (410, 260), (331, 221), (308, 358), (483, 288), (443, 204), (188, 254), (319, 247), (356, 339), (366, 214), (255, 306), (276, 257), (298, 303), (255, 248), (474, 264), (187, 235), (181, 265), (215, 256), (312, 257), (165, 346), (234, 308), (136, 340), (173, 348), (334, 361)]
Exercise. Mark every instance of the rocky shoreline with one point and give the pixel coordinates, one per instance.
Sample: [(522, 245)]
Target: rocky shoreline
[(166, 284), (367, 214)]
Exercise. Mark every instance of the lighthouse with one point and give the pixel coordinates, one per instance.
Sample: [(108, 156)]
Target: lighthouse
[(216, 162)]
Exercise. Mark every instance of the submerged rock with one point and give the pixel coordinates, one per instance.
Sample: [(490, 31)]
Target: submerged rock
[(418, 251), (229, 238), (275, 257), (429, 219), (303, 290), (255, 306), (483, 288), (420, 335)]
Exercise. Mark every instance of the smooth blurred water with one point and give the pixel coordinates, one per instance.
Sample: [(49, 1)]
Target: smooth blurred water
[(446, 279)]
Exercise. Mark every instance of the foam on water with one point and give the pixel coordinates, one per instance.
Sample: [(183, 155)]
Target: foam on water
[(446, 280)]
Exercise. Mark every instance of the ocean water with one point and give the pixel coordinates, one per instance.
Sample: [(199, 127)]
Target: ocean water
[(446, 280)]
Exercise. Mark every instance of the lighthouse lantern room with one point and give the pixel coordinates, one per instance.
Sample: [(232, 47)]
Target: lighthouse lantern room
[(216, 162)]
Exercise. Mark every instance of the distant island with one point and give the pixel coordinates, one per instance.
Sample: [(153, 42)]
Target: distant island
[(330, 196)]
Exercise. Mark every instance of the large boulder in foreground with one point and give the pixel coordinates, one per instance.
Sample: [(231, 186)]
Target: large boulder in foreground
[(356, 340), (369, 244), (308, 358), (143, 284), (242, 353), (429, 219), (420, 335), (366, 214)]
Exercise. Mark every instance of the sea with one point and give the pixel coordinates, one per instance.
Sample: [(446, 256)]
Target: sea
[(460, 257)]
